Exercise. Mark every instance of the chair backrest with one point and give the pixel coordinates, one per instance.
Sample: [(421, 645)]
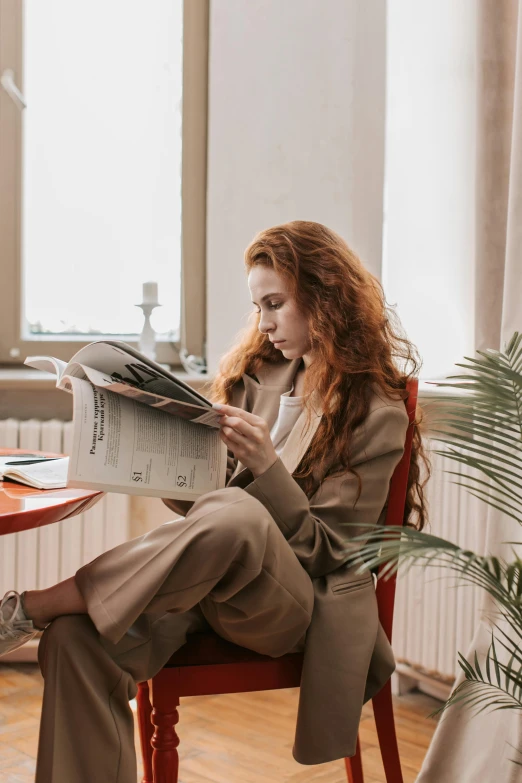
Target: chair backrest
[(395, 513)]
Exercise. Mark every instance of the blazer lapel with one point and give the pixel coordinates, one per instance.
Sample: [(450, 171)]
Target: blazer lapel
[(265, 402), (264, 394), (263, 399), (300, 437)]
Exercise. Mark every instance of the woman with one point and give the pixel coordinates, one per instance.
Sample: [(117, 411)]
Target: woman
[(312, 413)]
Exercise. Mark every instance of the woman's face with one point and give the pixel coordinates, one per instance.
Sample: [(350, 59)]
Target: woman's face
[(280, 319)]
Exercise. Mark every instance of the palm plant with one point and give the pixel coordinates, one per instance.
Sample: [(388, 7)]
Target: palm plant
[(480, 425)]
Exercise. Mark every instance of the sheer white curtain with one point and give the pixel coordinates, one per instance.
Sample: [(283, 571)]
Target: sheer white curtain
[(468, 748)]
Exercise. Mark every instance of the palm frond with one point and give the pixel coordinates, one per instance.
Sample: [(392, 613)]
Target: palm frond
[(497, 686), (491, 499), (517, 750), (511, 645), (481, 426), (388, 547), (479, 423), (493, 390)]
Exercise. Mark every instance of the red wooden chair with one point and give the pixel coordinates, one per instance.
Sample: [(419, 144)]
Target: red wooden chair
[(207, 664)]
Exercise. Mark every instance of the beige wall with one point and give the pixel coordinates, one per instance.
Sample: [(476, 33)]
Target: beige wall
[(296, 131)]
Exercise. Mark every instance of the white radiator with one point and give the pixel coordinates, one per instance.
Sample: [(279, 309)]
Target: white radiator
[(36, 559), (433, 619)]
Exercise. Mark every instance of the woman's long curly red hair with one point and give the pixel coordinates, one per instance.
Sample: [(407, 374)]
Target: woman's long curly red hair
[(356, 340)]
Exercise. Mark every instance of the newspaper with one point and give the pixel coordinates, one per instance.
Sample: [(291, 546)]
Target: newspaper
[(137, 429)]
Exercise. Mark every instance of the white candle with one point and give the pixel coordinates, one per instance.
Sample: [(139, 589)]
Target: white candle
[(150, 293)]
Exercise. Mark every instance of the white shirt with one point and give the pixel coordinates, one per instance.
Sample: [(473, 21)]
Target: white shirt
[(289, 411)]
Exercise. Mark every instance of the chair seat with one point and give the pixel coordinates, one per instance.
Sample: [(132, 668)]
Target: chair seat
[(209, 649)]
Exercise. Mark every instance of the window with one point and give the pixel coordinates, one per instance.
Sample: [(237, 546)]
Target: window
[(94, 170), (429, 227)]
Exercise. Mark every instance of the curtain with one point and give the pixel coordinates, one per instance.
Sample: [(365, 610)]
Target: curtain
[(468, 747)]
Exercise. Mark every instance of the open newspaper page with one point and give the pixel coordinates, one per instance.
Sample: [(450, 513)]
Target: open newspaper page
[(119, 368), (121, 445)]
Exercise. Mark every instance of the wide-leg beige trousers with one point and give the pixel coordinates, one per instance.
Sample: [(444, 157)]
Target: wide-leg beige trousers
[(225, 566)]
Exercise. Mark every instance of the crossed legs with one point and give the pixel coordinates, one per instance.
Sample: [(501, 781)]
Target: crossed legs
[(226, 566)]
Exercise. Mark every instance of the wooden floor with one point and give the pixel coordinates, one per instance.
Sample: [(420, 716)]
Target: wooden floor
[(238, 738)]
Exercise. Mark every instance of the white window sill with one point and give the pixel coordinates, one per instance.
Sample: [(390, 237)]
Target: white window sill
[(27, 379)]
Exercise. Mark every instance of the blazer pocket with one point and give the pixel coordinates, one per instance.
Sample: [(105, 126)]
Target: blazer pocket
[(354, 585)]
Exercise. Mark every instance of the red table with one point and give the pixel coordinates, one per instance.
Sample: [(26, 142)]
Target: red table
[(24, 508)]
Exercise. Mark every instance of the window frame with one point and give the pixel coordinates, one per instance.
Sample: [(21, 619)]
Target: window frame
[(13, 347)]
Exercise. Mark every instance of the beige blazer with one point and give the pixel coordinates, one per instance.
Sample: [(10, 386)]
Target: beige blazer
[(347, 657)]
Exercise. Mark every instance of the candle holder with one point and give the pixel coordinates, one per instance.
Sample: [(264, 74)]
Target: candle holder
[(147, 341)]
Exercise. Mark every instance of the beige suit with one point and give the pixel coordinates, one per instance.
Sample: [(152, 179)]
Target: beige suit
[(257, 562)]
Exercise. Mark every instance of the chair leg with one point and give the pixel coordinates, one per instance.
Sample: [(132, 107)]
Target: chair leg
[(385, 723), (146, 730), (165, 741), (354, 770)]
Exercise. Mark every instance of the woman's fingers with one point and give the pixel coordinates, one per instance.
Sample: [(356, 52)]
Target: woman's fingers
[(233, 436), (240, 446), (229, 410), (247, 437), (242, 427)]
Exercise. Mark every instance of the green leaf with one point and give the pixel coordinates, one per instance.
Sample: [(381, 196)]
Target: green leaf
[(477, 667), (495, 659)]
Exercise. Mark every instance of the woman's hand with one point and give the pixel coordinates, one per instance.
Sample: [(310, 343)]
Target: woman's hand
[(248, 438)]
